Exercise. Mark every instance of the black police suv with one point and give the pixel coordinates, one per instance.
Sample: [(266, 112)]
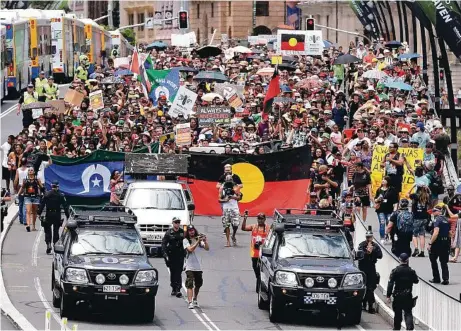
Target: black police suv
[(307, 264), (100, 260)]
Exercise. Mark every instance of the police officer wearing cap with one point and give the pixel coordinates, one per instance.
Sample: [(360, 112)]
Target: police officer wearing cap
[(368, 265), (40, 82), (54, 200), (51, 89), (439, 245), (400, 286), (173, 253), (28, 97)]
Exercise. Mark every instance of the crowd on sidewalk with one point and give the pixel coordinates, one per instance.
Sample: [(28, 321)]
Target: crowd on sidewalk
[(344, 103)]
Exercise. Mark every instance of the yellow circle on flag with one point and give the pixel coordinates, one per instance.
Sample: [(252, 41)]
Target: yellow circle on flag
[(292, 42), (252, 180)]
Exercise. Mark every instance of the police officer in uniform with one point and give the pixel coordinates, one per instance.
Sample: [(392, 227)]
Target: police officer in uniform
[(400, 286), (173, 253), (368, 265), (27, 98), (40, 82), (51, 89), (53, 200), (82, 70), (439, 245)]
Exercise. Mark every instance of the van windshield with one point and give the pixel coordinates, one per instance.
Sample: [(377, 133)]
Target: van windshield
[(156, 198)]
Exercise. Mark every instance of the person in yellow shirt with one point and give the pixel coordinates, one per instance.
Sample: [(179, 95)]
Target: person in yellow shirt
[(40, 82), (381, 62)]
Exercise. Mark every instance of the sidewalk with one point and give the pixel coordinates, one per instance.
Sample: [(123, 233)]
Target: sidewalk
[(422, 265)]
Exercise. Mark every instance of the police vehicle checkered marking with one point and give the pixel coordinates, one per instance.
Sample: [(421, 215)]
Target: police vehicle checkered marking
[(331, 301), (308, 300)]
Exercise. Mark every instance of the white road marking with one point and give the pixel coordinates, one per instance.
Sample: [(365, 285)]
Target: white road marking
[(35, 248), (358, 326), (9, 110), (40, 293)]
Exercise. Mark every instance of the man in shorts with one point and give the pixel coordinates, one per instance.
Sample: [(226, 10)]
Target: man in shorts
[(195, 244), (229, 195)]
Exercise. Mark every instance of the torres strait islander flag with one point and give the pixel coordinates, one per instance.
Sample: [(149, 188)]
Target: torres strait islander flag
[(273, 180), (292, 42)]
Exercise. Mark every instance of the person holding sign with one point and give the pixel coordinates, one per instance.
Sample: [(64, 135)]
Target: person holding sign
[(393, 164)]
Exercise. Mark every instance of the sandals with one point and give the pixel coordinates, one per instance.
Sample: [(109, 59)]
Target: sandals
[(234, 241)]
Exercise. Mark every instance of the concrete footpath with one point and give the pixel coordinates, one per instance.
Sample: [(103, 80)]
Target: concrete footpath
[(422, 265)]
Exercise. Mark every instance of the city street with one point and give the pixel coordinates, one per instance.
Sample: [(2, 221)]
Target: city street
[(227, 298)]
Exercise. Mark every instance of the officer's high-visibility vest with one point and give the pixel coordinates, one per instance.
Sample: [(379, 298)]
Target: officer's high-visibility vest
[(81, 73), (39, 84), (29, 98), (51, 91)]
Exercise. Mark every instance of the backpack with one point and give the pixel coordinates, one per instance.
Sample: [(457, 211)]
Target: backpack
[(436, 185), (405, 222)]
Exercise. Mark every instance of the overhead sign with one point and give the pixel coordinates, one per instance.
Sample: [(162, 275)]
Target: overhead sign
[(214, 115), (183, 103), (290, 42)]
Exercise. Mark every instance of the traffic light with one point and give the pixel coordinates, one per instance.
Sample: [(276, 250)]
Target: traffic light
[(116, 18), (183, 17), (310, 24)]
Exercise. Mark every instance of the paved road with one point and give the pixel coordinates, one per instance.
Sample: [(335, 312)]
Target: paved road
[(227, 298), (422, 265), (5, 323)]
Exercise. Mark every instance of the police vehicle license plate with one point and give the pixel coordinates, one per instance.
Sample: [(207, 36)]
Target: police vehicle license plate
[(111, 288), (154, 237), (320, 296)]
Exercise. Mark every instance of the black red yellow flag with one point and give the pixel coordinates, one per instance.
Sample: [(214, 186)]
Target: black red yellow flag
[(272, 180), (292, 42)]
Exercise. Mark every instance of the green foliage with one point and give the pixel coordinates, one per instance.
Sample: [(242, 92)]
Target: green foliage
[(130, 35)]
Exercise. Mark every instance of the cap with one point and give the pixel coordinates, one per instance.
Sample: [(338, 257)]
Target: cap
[(54, 183), (313, 194), (369, 233), (176, 220), (30, 85), (437, 207), (42, 72), (404, 257)]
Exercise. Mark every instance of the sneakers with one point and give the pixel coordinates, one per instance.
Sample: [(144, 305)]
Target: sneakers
[(416, 252), (48, 248), (191, 305), (179, 294), (383, 241), (445, 282), (195, 303), (421, 254), (173, 292)]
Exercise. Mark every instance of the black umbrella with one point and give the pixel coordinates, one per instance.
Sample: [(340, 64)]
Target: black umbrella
[(346, 59), (208, 51), (214, 76), (287, 66), (393, 44), (37, 105)]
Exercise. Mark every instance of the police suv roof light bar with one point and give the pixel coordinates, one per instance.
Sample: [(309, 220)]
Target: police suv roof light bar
[(110, 215)]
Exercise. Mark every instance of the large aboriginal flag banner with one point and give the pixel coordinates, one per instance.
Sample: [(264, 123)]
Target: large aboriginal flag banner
[(274, 180)]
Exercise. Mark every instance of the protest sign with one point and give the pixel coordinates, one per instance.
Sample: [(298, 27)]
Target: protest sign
[(96, 100), (208, 116), (277, 59), (165, 137), (229, 92), (36, 113), (182, 136), (183, 103), (59, 106), (412, 155), (74, 97)]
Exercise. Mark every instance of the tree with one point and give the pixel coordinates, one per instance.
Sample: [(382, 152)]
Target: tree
[(130, 35)]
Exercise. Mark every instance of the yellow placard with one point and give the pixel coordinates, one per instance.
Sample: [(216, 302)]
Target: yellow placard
[(412, 155), (276, 59)]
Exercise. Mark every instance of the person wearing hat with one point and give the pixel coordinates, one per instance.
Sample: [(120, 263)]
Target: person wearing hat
[(439, 244), (401, 226), (367, 265), (400, 286), (53, 200), (28, 97), (51, 89), (40, 83), (173, 253), (259, 232)]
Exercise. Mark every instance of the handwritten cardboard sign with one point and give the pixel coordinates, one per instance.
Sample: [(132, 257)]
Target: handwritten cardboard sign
[(96, 100), (59, 106), (208, 116), (74, 97), (182, 136)]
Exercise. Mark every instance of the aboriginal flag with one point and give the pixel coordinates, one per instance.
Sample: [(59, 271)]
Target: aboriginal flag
[(272, 91), (292, 42), (272, 180)]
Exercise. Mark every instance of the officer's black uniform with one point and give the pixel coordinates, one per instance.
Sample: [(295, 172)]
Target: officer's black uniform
[(402, 245), (440, 249), (368, 266), (400, 286), (53, 200), (173, 252)]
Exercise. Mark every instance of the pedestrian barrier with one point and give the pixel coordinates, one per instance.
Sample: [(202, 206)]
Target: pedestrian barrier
[(434, 308), (64, 323)]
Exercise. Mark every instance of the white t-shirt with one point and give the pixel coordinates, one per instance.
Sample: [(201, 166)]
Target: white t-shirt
[(5, 149), (194, 259)]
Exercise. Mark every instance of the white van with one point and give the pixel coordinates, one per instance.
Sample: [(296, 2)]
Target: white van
[(156, 203)]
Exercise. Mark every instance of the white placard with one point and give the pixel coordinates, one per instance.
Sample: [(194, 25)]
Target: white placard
[(183, 102), (314, 44), (37, 112)]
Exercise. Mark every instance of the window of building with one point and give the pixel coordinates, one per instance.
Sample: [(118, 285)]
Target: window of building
[(262, 8), (141, 20), (198, 10), (130, 19), (229, 7), (212, 10)]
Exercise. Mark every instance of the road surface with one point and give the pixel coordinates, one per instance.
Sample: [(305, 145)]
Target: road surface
[(227, 298)]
